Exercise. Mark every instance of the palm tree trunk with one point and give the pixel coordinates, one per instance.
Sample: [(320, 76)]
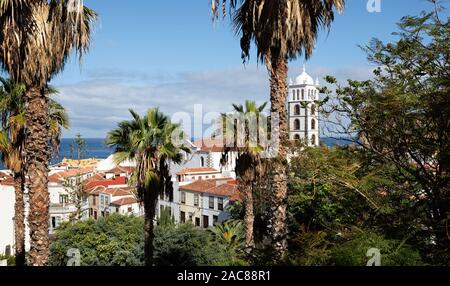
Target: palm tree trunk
[(19, 219), (249, 218), (278, 70), (149, 207), (36, 153)]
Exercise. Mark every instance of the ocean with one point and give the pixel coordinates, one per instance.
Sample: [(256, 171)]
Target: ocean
[(96, 148)]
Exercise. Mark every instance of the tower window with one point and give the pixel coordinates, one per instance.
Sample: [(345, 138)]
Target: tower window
[(297, 110), (313, 140), (313, 110), (313, 124), (202, 161), (296, 137), (297, 124), (303, 94)]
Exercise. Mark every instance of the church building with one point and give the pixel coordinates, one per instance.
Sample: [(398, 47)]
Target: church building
[(303, 113)]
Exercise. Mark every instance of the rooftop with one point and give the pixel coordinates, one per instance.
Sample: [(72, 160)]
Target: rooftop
[(192, 171), (225, 187)]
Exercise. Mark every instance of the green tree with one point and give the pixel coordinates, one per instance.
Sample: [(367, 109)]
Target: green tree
[(112, 241), (33, 57), (250, 166), (12, 139), (281, 30), (402, 116), (149, 141)]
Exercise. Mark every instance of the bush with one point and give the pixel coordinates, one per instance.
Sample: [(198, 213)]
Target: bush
[(119, 241), (393, 252), (112, 241), (186, 245)]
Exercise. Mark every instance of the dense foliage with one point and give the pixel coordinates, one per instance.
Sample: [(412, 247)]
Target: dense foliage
[(119, 241)]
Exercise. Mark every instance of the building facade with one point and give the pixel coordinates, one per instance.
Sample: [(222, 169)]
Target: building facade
[(303, 112)]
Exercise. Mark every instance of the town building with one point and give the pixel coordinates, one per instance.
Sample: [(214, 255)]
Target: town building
[(303, 112)]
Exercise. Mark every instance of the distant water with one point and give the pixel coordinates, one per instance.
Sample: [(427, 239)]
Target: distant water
[(96, 148)]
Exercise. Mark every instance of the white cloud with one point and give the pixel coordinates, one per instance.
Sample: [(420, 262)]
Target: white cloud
[(96, 105)]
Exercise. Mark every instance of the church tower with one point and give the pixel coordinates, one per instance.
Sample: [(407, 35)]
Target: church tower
[(303, 113)]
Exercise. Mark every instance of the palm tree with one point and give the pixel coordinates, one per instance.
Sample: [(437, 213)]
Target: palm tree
[(148, 141), (36, 39), (12, 139), (230, 235), (281, 30), (250, 167)]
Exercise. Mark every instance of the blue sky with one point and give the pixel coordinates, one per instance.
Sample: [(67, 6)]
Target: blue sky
[(169, 54)]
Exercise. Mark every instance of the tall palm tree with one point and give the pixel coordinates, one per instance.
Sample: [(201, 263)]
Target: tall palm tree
[(12, 139), (281, 30), (148, 141), (250, 167), (36, 39)]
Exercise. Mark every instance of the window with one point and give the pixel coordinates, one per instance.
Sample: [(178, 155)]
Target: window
[(197, 221), (205, 221), (183, 197), (297, 124), (200, 177), (102, 200), (53, 222), (95, 215), (63, 199), (182, 217), (313, 110), (215, 219), (313, 140), (130, 209), (220, 204), (297, 109), (211, 203), (296, 137), (313, 124), (202, 160), (196, 199), (303, 94), (94, 200)]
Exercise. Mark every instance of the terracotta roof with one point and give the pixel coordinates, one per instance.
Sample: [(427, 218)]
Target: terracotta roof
[(105, 183), (125, 201), (57, 177), (210, 145), (120, 169), (7, 181), (225, 187), (190, 171)]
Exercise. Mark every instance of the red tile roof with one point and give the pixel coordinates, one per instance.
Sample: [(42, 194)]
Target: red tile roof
[(225, 187), (120, 169), (125, 201), (60, 176), (191, 171), (210, 145), (105, 183)]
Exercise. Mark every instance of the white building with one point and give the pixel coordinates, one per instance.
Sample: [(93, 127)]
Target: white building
[(303, 110)]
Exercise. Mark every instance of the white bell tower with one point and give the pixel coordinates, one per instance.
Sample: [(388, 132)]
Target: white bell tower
[(303, 113)]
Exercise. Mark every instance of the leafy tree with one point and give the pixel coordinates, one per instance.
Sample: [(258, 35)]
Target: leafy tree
[(12, 140), (149, 141), (113, 241), (281, 30), (402, 116), (33, 57), (246, 122), (393, 253)]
